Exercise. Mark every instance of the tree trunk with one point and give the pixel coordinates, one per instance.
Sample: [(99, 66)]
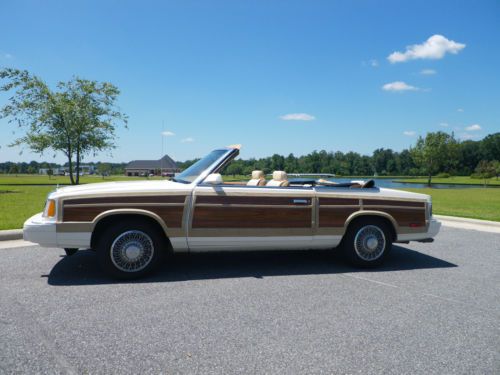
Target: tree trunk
[(429, 179), (77, 165), (70, 166)]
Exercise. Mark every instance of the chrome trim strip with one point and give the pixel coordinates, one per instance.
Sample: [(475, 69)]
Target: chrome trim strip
[(124, 205), (250, 205), (338, 206)]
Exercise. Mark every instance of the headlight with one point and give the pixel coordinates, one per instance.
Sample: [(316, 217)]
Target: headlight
[(50, 209), (430, 209)]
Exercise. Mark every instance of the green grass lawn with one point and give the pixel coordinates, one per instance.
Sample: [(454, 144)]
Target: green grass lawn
[(473, 203), (17, 203), (29, 179), (463, 180)]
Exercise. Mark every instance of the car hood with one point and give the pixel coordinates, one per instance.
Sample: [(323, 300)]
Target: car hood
[(119, 188)]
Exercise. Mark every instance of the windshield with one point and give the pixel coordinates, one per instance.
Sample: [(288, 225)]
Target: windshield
[(190, 174)]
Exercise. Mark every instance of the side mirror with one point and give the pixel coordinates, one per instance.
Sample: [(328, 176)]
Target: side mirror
[(213, 179)]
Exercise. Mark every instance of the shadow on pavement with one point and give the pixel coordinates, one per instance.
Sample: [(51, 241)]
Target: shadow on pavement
[(82, 268)]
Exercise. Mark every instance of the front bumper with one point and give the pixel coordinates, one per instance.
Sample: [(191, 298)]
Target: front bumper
[(41, 231), (432, 231)]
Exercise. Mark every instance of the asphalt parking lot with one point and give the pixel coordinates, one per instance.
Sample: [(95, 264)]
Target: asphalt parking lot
[(433, 308)]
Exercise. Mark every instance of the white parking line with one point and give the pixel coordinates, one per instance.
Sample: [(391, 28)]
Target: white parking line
[(369, 280)]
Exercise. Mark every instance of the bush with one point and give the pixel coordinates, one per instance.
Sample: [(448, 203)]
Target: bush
[(443, 175)]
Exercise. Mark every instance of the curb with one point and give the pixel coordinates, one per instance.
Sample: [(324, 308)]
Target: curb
[(465, 220), (474, 224), (9, 235)]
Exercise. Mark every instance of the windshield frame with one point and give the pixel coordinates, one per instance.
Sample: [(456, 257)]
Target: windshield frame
[(216, 165)]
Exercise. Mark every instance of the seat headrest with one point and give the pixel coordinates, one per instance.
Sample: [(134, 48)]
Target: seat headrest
[(280, 176), (257, 175)]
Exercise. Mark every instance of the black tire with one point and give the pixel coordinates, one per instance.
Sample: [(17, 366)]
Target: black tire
[(367, 242), (131, 249), (70, 251)]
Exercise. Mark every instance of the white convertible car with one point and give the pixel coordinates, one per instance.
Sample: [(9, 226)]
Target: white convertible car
[(132, 225)]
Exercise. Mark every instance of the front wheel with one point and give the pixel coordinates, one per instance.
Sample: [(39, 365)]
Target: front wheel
[(130, 249), (367, 242)]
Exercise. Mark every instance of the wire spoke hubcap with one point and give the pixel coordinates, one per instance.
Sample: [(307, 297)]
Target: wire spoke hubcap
[(369, 242), (132, 251)]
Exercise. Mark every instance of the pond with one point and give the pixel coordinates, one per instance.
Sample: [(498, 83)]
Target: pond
[(389, 183)]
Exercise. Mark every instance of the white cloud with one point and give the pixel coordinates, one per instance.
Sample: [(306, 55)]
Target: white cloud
[(297, 117), (460, 110), (410, 133), (444, 124), (167, 134), (373, 63), (473, 128), (433, 48), (467, 136), (398, 86), (187, 140), (427, 72)]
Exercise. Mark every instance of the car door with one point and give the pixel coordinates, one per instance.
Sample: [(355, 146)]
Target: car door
[(226, 217)]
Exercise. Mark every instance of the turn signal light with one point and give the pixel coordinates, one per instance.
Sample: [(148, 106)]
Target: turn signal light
[(50, 208)]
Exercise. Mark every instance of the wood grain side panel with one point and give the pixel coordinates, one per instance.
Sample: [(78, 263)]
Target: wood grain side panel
[(334, 216), (172, 216), (338, 201), (250, 200), (405, 217), (382, 202), (251, 217), (129, 199)]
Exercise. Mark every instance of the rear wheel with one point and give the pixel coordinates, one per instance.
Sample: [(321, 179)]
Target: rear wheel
[(367, 242), (130, 249)]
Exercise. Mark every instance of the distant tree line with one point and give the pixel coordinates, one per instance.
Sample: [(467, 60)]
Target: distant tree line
[(436, 153)]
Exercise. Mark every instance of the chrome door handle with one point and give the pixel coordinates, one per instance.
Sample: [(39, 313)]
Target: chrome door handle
[(301, 201)]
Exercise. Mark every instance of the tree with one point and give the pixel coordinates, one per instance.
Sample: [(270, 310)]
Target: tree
[(434, 152), (14, 169), (104, 169), (486, 170), (490, 147), (78, 118), (496, 167)]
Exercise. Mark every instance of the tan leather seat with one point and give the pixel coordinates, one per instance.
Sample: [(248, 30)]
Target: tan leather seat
[(258, 179), (279, 179)]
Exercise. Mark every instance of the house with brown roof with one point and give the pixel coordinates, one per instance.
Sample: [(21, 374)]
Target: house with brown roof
[(165, 166)]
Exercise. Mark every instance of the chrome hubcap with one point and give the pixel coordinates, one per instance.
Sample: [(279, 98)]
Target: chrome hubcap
[(369, 243), (132, 251)]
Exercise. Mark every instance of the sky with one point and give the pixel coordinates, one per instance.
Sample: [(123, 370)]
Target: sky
[(275, 76)]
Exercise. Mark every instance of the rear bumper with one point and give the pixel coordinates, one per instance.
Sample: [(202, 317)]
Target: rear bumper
[(38, 230), (432, 231)]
